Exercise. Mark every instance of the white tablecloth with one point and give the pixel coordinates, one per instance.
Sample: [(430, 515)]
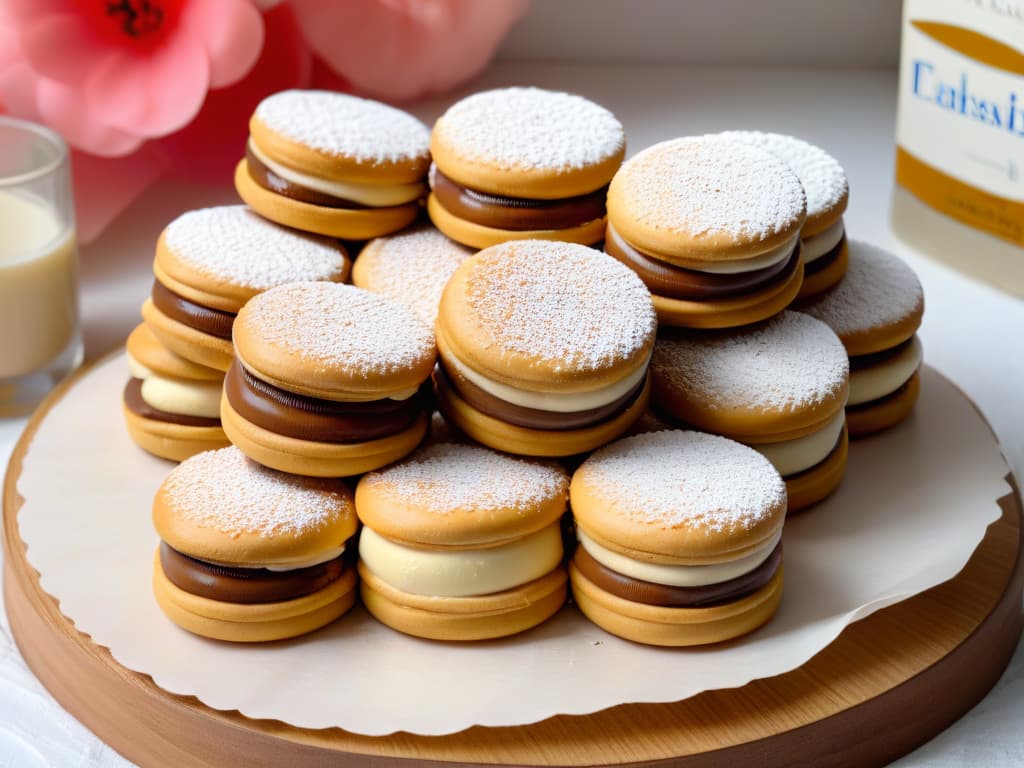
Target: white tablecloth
[(971, 333)]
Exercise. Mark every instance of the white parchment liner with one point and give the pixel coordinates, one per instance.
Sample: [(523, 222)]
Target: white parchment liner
[(914, 505)]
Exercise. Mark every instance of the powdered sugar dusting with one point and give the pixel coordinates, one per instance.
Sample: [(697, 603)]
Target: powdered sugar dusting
[(878, 290), (226, 491), (679, 479), (339, 327), (785, 365), (530, 128), (567, 305), (447, 477), (339, 124), (412, 268), (233, 244), (823, 178), (711, 186)]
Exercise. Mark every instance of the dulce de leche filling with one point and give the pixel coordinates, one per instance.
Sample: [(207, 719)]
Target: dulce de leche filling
[(214, 322), (245, 585), (135, 403), (266, 178), (516, 213), (310, 418)]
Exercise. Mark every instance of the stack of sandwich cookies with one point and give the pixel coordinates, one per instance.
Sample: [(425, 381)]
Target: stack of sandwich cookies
[(523, 163), (334, 164), (327, 380), (461, 543), (411, 267), (544, 348), (680, 538), (823, 238), (712, 226), (248, 554), (210, 262), (779, 387), (876, 311), (171, 405)]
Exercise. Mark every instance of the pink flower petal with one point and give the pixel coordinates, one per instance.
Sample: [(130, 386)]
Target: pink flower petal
[(232, 32), (61, 47), (25, 10), (63, 109), (150, 96)]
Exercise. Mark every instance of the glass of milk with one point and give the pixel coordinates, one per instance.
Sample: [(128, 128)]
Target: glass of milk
[(40, 339)]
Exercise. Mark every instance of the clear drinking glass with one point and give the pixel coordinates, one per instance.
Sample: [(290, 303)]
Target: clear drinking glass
[(40, 337)]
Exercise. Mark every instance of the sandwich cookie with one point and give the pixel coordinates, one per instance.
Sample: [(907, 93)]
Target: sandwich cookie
[(823, 237), (712, 227), (523, 163), (171, 405), (248, 554), (411, 267), (334, 164), (679, 538), (461, 543), (327, 379), (544, 348), (779, 387), (211, 261), (876, 311)]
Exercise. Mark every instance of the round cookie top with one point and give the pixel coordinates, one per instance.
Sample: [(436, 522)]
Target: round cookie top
[(334, 341), (338, 136), (145, 349), (221, 257), (547, 316), (411, 267), (222, 507), (783, 376), (457, 495), (528, 142), (706, 199), (823, 178), (877, 305), (678, 497)]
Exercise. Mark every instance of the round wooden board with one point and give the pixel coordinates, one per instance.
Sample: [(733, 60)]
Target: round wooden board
[(888, 684)]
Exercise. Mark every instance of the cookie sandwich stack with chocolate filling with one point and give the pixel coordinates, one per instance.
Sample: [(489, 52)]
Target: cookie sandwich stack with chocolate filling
[(248, 554), (523, 163), (327, 380), (462, 543), (779, 387), (876, 311), (823, 237), (680, 538), (211, 261), (334, 164), (544, 348), (712, 226)]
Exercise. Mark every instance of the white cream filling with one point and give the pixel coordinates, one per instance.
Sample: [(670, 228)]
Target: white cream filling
[(818, 245), (792, 456), (188, 398), (763, 261), (405, 394), (677, 575), (878, 381), (462, 572), (377, 195), (556, 402), (137, 369), (292, 565)]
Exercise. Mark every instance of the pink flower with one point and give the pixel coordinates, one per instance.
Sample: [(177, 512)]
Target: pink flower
[(110, 75), (402, 49)]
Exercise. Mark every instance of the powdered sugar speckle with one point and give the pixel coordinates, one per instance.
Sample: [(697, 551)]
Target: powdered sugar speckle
[(710, 186), (226, 491), (823, 178), (233, 244), (530, 128), (339, 124), (679, 479), (786, 364), (447, 477), (568, 305), (338, 326), (411, 267), (878, 290)]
